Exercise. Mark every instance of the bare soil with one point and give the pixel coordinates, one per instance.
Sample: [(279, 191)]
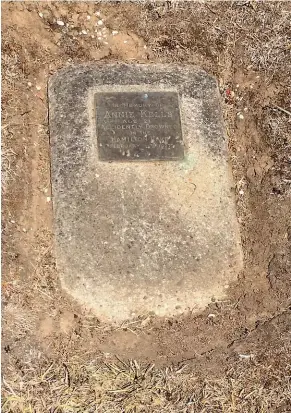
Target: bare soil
[(234, 356)]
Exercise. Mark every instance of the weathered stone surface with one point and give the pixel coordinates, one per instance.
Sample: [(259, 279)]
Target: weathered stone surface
[(141, 236)]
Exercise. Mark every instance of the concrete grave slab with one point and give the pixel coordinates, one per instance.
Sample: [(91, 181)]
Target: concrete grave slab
[(144, 212)]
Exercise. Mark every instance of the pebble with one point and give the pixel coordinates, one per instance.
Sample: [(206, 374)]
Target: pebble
[(84, 32), (60, 23), (97, 13), (114, 32), (211, 315), (29, 84), (40, 15), (240, 115), (100, 22), (38, 87), (88, 17), (24, 230), (125, 41), (241, 192), (246, 356), (48, 199)]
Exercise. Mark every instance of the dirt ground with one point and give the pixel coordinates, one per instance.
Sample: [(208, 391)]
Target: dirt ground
[(234, 356)]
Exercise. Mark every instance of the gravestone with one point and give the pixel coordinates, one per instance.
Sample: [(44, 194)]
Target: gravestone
[(143, 203)]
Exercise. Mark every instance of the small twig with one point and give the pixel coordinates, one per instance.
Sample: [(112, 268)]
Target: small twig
[(8, 386), (212, 11), (181, 369), (46, 372), (42, 292), (67, 375), (282, 109)]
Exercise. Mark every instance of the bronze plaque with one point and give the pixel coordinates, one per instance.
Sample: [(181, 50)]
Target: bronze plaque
[(139, 126)]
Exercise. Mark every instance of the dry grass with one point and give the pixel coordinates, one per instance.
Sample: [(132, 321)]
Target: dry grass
[(11, 75), (72, 386), (277, 126), (257, 35), (8, 159)]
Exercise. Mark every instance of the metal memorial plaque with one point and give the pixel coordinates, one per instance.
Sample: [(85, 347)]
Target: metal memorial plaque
[(138, 126)]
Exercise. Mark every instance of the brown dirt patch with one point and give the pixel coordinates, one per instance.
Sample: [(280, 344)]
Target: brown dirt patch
[(237, 350)]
